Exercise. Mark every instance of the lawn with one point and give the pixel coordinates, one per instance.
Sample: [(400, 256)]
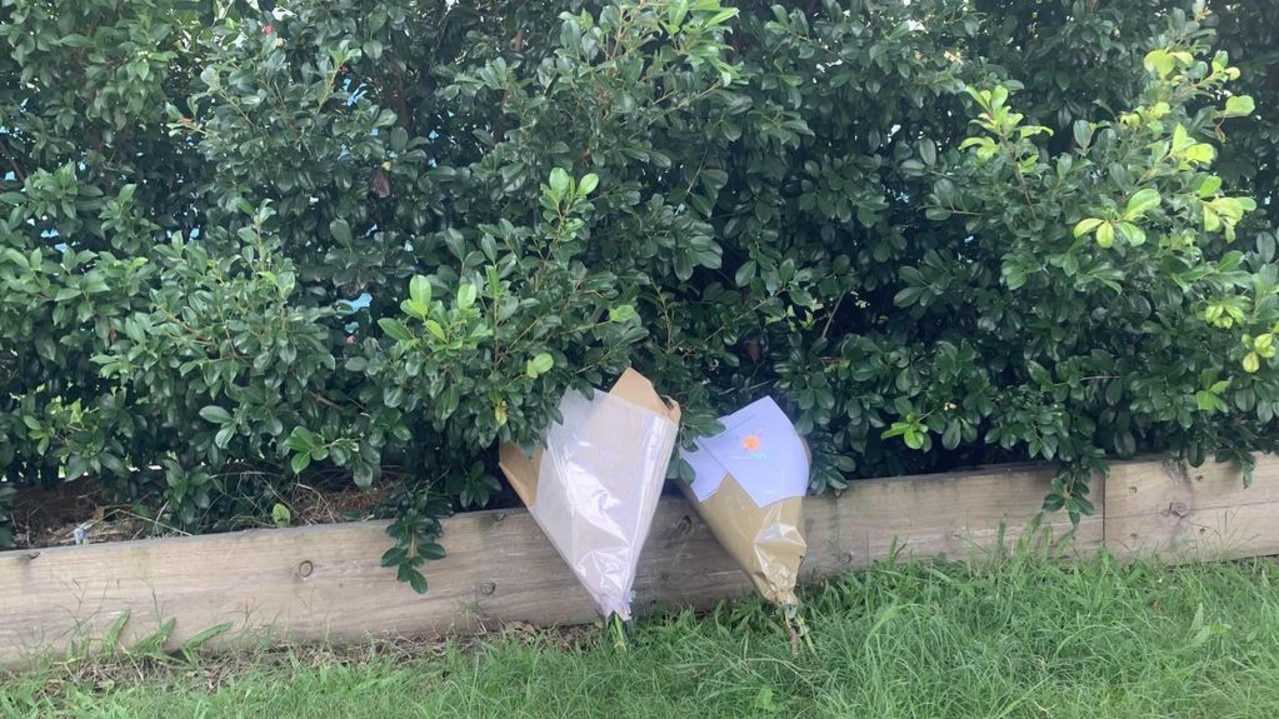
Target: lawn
[(1017, 638)]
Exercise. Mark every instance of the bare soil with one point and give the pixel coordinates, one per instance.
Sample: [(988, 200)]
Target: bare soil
[(51, 517)]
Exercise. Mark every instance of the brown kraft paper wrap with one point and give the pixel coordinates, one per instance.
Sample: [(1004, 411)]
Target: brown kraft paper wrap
[(765, 541), (749, 488)]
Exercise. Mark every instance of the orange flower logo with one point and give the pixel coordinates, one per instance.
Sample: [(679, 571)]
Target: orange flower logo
[(751, 443)]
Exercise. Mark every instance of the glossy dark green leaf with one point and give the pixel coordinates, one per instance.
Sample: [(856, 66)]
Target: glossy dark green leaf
[(215, 414)]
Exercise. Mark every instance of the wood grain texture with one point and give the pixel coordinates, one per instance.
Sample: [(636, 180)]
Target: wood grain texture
[(1176, 512), (325, 582), (960, 515)]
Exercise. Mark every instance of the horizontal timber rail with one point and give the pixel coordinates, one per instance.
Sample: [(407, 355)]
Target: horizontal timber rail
[(325, 583)]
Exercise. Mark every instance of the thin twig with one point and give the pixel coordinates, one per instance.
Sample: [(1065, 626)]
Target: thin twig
[(17, 171), (834, 311)]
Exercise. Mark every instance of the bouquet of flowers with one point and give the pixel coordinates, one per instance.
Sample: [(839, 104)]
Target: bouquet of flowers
[(749, 484), (593, 488)]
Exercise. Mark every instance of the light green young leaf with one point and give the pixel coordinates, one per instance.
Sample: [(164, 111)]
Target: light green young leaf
[(1212, 221), (897, 429), (1180, 139), (1087, 225), (1160, 62), (1239, 106), (1209, 186), (560, 182), (1132, 233), (1208, 402), (1106, 235), (414, 308), (1232, 208), (1200, 152), (466, 295), (622, 313), (1145, 200), (539, 365), (281, 515), (420, 290)]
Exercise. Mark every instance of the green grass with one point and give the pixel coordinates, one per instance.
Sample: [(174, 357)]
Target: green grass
[(1020, 638)]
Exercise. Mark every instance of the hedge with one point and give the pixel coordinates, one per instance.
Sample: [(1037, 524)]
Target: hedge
[(246, 242)]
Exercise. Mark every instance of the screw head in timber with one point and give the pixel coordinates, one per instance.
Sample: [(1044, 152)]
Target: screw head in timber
[(685, 526)]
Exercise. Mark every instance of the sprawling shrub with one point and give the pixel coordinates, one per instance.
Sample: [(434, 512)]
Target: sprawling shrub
[(254, 240)]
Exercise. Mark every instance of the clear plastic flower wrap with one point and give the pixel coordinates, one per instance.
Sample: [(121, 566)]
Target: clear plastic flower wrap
[(594, 487)]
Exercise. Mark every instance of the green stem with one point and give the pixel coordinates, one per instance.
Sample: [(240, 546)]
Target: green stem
[(618, 628), (797, 629)]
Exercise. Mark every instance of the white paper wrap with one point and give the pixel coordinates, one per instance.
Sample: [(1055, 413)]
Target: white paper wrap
[(759, 448)]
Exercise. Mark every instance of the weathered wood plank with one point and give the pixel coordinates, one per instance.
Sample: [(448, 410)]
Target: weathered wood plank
[(325, 582), (959, 515), (1176, 512)]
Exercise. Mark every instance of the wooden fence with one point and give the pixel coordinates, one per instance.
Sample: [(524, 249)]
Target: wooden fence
[(325, 582)]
